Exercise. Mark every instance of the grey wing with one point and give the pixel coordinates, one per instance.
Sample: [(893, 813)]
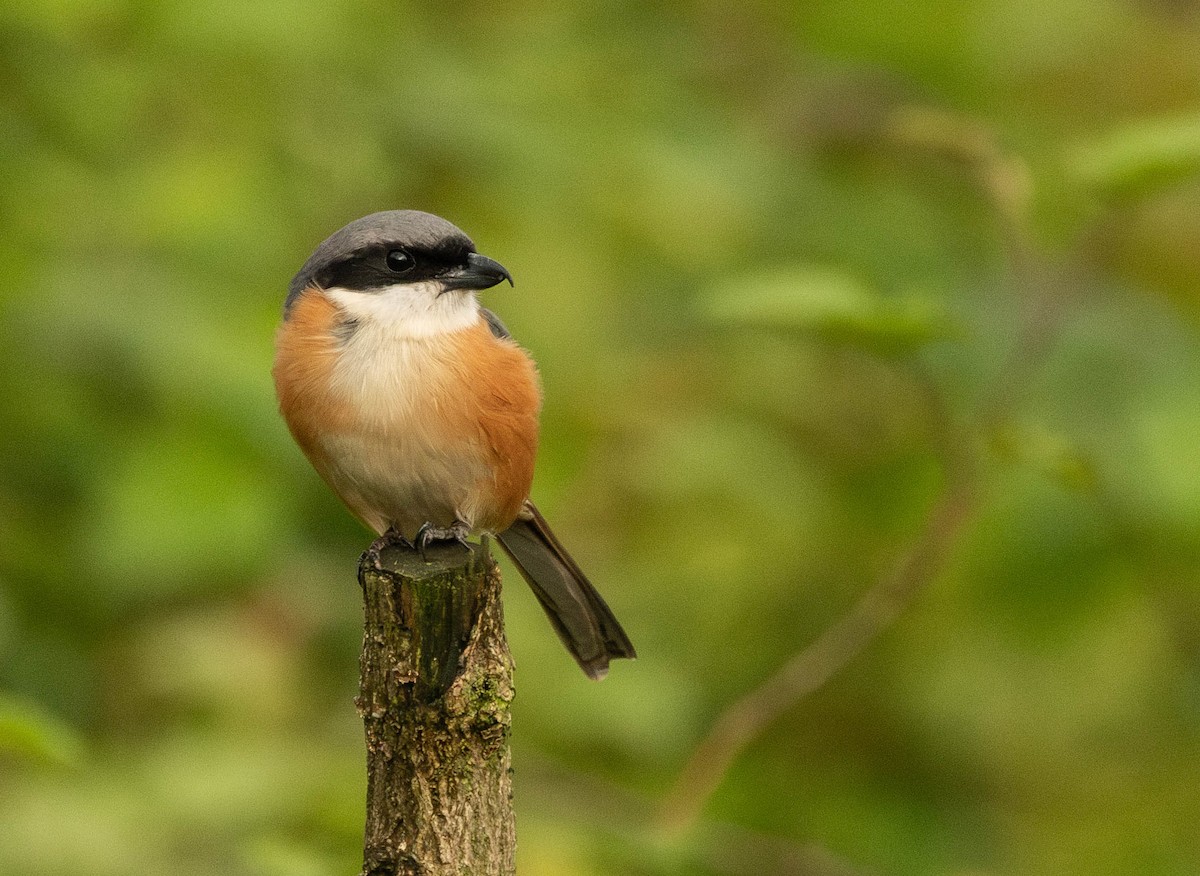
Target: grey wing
[(499, 329)]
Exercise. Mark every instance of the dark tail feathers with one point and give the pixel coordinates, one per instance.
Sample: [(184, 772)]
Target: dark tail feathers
[(580, 616)]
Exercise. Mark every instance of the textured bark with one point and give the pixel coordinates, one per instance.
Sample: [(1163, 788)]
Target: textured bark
[(435, 694)]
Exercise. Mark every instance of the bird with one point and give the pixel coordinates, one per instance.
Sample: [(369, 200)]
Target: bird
[(415, 405)]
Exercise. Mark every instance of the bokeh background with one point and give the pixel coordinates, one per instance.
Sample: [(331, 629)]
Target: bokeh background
[(827, 298)]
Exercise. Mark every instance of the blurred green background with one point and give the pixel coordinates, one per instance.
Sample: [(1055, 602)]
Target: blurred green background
[(794, 273)]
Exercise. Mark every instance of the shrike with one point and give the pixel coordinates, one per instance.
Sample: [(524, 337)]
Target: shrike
[(415, 405)]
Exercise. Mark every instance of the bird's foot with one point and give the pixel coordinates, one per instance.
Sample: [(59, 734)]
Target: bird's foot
[(456, 531), (388, 539)]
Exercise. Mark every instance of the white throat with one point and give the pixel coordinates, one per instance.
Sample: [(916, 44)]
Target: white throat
[(411, 310)]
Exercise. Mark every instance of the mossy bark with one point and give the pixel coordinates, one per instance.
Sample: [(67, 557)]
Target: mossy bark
[(435, 694)]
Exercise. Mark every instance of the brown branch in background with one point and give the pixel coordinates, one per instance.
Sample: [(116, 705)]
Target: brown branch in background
[(1005, 183), (809, 669)]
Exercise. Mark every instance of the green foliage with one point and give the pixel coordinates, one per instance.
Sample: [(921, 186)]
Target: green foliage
[(826, 303), (27, 732), (1136, 160), (776, 262)]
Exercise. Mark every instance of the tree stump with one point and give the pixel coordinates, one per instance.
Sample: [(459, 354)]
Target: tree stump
[(434, 696)]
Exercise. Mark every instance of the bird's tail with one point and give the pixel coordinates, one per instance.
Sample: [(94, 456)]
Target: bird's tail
[(580, 616)]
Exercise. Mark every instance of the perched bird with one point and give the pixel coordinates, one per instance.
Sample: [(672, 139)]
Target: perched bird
[(415, 405)]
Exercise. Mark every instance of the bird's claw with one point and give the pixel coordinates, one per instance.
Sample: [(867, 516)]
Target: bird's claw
[(457, 531), (388, 539)]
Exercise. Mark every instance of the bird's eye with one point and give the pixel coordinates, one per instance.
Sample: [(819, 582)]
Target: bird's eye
[(400, 262)]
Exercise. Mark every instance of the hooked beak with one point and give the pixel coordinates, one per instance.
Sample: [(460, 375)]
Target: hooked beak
[(479, 272)]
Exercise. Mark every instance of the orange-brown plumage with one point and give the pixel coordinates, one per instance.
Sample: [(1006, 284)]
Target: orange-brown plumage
[(305, 354), (499, 385)]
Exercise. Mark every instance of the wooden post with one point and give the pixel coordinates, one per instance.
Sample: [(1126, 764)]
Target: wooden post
[(434, 697)]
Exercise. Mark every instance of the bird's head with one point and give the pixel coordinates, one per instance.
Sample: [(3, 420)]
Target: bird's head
[(413, 271)]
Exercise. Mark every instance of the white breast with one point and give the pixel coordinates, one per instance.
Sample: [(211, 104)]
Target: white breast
[(396, 372)]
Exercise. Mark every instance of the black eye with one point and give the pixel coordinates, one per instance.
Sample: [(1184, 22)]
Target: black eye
[(400, 262)]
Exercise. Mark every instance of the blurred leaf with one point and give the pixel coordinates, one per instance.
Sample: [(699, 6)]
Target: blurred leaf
[(1141, 158), (827, 302), (31, 733), (1051, 453)]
